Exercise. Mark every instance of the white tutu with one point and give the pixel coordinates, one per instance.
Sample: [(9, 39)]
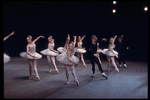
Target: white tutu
[(108, 52), (48, 52), (32, 52), (6, 58), (25, 55), (62, 58), (99, 50), (61, 49), (79, 50)]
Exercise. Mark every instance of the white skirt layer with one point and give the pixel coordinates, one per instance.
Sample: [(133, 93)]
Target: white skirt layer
[(99, 50), (48, 52), (61, 49), (79, 50), (62, 58), (108, 52), (6, 58), (25, 55)]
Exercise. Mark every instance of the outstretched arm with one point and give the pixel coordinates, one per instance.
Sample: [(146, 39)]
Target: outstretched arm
[(38, 38), (114, 38), (75, 40), (9, 36), (82, 37)]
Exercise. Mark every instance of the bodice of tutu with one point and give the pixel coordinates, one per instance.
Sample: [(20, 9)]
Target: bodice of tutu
[(52, 46), (80, 44), (32, 49), (71, 54), (112, 47)]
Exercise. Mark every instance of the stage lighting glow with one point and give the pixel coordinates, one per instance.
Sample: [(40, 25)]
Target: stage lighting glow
[(145, 8), (114, 10), (114, 2)]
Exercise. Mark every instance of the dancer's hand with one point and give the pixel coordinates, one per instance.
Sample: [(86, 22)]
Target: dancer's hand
[(42, 36), (75, 36), (57, 52), (33, 56), (77, 64), (115, 36), (13, 33), (96, 55), (117, 56), (104, 39), (127, 48)]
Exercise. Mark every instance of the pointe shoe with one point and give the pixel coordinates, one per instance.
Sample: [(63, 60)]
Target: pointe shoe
[(117, 69), (57, 71), (67, 83), (30, 78), (49, 71), (77, 82), (38, 78), (84, 65)]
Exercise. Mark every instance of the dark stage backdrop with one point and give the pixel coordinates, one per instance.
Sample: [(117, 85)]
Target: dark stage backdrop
[(76, 18)]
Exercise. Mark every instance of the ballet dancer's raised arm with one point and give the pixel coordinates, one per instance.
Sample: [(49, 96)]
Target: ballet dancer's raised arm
[(82, 38), (114, 39), (75, 37), (12, 33), (38, 38)]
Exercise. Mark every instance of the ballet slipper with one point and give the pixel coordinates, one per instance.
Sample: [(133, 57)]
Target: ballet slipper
[(84, 65), (117, 69), (49, 71), (38, 77), (77, 82), (67, 83), (30, 78), (57, 71)]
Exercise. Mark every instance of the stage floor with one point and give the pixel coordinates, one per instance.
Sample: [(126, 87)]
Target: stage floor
[(128, 83)]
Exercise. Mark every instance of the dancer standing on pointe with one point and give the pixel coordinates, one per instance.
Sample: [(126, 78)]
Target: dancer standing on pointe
[(51, 53), (81, 50), (6, 57), (121, 50), (94, 55), (32, 55), (111, 53), (69, 61)]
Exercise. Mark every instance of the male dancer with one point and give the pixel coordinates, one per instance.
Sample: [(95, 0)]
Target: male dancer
[(94, 55), (121, 49)]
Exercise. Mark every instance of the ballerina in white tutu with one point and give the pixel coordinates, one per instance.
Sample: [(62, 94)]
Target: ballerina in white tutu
[(6, 57), (32, 55), (111, 53), (51, 53), (81, 50), (69, 61)]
